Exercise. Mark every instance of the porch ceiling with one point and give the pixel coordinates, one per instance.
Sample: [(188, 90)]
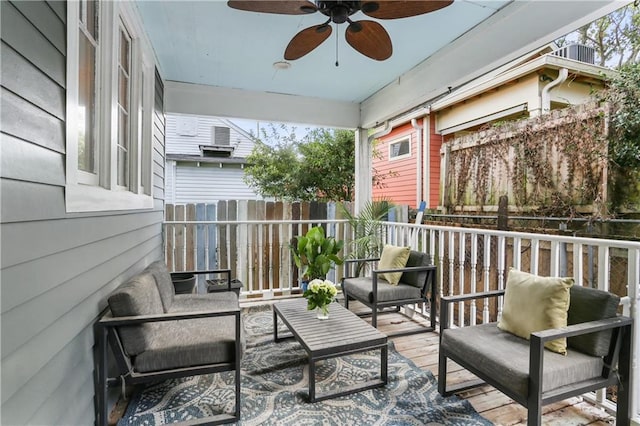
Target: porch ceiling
[(221, 59)]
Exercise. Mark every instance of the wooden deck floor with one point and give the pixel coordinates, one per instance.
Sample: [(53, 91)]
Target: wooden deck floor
[(422, 349)]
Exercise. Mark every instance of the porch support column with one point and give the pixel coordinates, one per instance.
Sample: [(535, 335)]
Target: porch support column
[(363, 180)]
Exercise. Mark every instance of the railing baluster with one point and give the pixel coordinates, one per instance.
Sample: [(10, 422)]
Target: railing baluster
[(603, 267), (461, 266), (535, 251), (502, 260), (451, 255), (474, 275), (486, 269)]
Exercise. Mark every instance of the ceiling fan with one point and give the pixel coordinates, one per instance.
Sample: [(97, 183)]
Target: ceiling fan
[(367, 37)]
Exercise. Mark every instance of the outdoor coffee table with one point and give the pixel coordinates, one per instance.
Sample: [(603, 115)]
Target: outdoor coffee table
[(342, 334)]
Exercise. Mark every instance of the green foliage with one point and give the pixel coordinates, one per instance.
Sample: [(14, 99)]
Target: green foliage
[(315, 254), (624, 135), (624, 138), (368, 231), (321, 167)]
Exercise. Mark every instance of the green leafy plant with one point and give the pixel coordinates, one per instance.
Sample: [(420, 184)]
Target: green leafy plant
[(315, 254), (319, 294), (368, 230)]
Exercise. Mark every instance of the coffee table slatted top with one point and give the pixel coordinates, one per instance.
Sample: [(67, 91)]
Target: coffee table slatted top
[(343, 331)]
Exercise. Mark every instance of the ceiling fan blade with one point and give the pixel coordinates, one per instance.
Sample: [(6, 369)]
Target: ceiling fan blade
[(383, 9), (370, 39), (306, 40), (284, 7)]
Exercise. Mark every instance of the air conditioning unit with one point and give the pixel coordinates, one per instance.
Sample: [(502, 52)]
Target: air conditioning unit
[(577, 52)]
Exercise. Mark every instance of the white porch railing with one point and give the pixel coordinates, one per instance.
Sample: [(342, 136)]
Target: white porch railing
[(468, 260)]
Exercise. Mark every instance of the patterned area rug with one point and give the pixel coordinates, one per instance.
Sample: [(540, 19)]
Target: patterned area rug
[(275, 390)]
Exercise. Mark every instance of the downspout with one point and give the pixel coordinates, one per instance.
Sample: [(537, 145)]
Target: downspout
[(546, 96), (418, 129)]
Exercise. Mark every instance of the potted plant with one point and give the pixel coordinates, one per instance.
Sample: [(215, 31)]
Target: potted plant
[(315, 254)]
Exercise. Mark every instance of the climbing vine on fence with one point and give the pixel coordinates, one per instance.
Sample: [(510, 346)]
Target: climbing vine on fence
[(549, 165)]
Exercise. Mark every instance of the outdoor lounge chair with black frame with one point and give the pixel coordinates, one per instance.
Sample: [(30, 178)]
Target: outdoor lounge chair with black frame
[(154, 339), (598, 354), (417, 284)]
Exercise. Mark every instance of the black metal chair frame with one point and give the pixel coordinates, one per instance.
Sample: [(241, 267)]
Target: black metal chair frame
[(427, 293), (619, 354), (107, 336)]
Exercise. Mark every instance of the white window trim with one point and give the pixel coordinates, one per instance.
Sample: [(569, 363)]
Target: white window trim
[(106, 195), (399, 140)]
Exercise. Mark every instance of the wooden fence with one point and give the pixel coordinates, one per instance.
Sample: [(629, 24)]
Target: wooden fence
[(242, 236)]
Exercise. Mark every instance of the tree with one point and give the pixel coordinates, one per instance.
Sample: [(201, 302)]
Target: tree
[(319, 167), (615, 37), (624, 137)]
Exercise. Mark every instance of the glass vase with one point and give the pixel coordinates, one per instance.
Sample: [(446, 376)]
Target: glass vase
[(322, 312)]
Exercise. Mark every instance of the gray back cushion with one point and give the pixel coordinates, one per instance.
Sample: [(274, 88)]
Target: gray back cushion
[(416, 279), (163, 280), (138, 296), (589, 304)]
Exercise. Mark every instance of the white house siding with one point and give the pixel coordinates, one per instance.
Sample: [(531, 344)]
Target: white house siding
[(190, 145), (192, 181), (210, 182), (57, 268)]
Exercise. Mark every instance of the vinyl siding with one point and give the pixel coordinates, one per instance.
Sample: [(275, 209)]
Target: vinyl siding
[(57, 268), (210, 182), (400, 187), (181, 144), (435, 142)]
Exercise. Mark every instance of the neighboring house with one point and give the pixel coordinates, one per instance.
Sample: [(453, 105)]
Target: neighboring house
[(205, 160), (545, 80)]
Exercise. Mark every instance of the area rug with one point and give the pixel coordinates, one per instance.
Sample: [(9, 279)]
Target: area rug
[(275, 390)]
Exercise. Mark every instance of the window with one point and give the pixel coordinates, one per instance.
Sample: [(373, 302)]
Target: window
[(109, 108), (400, 149), (88, 48)]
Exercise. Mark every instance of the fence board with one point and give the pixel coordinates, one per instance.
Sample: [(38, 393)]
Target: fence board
[(212, 239), (179, 239), (169, 237), (190, 238)]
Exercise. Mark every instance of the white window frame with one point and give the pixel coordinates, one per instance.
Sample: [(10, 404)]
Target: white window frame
[(406, 139), (103, 193)]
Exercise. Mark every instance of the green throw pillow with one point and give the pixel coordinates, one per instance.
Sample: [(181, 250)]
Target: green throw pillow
[(533, 303), (393, 257)]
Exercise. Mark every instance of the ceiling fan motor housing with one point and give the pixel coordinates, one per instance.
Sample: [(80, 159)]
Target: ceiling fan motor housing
[(338, 11)]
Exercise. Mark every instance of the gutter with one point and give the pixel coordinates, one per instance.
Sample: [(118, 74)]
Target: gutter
[(545, 97)]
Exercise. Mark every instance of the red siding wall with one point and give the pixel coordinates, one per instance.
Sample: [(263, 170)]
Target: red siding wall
[(400, 188), (435, 142)]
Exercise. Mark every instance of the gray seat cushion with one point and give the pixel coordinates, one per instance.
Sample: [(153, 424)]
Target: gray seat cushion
[(204, 302), (138, 296), (505, 358), (186, 343), (361, 288), (163, 280), (589, 304)]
